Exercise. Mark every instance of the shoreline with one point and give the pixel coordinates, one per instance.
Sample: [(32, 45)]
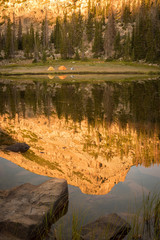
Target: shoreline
[(78, 73), (79, 68)]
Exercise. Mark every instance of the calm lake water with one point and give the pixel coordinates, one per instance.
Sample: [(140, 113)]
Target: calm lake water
[(112, 128)]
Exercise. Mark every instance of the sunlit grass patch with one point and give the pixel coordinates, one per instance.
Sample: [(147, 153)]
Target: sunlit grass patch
[(81, 176), (30, 155), (30, 135)]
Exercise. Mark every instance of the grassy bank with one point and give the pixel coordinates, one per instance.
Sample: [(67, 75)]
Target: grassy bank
[(78, 67)]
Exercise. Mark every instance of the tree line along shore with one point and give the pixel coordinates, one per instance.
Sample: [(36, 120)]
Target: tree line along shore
[(131, 33)]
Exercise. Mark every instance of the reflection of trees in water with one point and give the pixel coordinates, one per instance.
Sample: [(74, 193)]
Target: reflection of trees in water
[(135, 103), (123, 118), (115, 142)]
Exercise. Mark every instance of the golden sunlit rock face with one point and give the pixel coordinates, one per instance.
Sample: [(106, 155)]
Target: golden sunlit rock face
[(66, 150), (60, 149), (37, 8)]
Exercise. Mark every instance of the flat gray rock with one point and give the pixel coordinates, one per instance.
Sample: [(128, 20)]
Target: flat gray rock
[(110, 227), (26, 211), (18, 147)]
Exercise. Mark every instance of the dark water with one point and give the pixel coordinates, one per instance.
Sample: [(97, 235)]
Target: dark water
[(13, 175), (136, 103), (126, 116)]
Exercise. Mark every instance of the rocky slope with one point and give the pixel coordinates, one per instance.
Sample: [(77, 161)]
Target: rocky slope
[(60, 149), (36, 9)]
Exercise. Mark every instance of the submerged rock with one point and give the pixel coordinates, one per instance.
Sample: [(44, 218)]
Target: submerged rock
[(27, 211), (18, 147), (106, 228)]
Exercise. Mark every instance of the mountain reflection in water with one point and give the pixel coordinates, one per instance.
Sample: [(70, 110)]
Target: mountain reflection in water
[(89, 134)]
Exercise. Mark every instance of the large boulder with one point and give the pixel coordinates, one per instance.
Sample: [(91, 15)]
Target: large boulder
[(18, 147), (27, 211), (106, 228)]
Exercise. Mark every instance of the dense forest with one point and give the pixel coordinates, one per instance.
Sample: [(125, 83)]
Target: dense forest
[(102, 104), (131, 32)]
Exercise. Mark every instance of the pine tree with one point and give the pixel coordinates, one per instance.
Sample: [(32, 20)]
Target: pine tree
[(26, 44), (13, 36), (31, 38), (103, 17), (36, 47), (70, 38), (64, 44), (74, 33), (117, 46), (2, 41), (57, 35), (153, 33), (126, 12), (8, 39), (151, 48), (46, 30), (127, 47), (132, 44), (19, 40), (37, 40), (97, 48), (44, 36), (52, 37), (82, 48), (90, 23), (90, 27), (110, 34), (44, 57), (139, 40), (78, 28)]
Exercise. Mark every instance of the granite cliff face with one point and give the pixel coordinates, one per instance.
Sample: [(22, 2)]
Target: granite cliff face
[(36, 9), (33, 9), (59, 149)]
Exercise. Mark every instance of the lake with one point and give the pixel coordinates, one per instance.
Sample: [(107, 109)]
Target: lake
[(103, 137)]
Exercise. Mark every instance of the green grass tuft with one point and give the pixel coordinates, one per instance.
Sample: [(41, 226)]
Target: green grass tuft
[(41, 161)]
